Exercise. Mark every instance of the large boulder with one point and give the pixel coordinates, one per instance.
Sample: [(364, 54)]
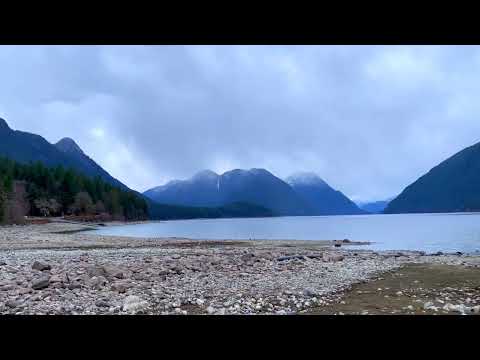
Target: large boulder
[(41, 283), (41, 266)]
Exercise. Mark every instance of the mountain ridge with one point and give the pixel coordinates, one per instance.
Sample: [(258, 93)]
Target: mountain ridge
[(451, 186), (255, 186)]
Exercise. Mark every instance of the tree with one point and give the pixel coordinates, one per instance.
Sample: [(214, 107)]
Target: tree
[(83, 204), (17, 205), (47, 207), (3, 199), (99, 207)]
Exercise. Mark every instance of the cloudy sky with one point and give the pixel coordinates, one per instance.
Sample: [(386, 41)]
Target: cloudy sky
[(368, 119)]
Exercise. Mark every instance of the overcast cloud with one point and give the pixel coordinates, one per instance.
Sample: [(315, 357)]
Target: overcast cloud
[(368, 119)]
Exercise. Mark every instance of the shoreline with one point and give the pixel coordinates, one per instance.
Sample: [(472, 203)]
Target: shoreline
[(93, 274)]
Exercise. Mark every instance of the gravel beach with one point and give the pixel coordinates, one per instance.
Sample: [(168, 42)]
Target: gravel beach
[(59, 268)]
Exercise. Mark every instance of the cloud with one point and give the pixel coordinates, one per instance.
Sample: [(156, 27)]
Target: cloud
[(368, 119)]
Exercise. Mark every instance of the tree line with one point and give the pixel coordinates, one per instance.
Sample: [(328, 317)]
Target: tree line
[(36, 190)]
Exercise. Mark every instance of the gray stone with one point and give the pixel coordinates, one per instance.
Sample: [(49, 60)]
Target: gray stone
[(74, 286), (97, 282), (41, 283), (332, 257), (114, 272), (13, 303), (309, 292), (121, 286), (93, 271), (7, 287), (134, 304), (102, 303), (41, 266), (55, 279)]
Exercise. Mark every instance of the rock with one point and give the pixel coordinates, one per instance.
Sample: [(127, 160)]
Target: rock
[(221, 311), (41, 266), (96, 282), (210, 310), (332, 257), (74, 286), (200, 302), (476, 309), (7, 287), (309, 292), (55, 279), (113, 272), (3, 263), (247, 257), (24, 291), (41, 283), (93, 271), (121, 286), (139, 277), (428, 305), (291, 257), (101, 303), (12, 303), (134, 304)]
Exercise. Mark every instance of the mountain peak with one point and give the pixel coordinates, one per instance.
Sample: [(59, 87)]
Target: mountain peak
[(305, 178), (3, 125), (68, 145), (205, 174)]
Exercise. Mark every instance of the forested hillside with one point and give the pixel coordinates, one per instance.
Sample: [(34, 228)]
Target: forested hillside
[(37, 190)]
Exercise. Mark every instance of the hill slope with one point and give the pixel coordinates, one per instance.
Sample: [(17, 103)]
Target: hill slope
[(323, 199), (451, 186)]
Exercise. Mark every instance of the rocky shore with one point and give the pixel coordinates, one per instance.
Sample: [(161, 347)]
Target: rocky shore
[(57, 268)]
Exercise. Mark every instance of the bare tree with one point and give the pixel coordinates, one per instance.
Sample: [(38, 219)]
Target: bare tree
[(47, 207), (99, 207), (17, 205), (83, 204)]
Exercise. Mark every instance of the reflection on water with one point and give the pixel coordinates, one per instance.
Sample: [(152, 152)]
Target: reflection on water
[(428, 232)]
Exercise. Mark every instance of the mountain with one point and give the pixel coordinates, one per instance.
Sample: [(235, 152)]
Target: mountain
[(374, 207), (451, 186), (254, 186), (25, 147), (323, 199)]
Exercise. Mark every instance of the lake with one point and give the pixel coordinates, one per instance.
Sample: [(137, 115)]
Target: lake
[(427, 232)]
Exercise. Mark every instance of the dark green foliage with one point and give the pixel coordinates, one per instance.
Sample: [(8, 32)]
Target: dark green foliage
[(236, 209), (64, 186), (452, 186)]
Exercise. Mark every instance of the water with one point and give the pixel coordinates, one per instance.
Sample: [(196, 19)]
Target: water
[(427, 232)]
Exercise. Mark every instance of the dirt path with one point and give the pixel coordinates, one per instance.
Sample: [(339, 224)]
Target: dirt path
[(414, 289)]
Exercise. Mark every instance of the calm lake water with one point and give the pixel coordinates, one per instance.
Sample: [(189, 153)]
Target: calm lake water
[(427, 232)]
